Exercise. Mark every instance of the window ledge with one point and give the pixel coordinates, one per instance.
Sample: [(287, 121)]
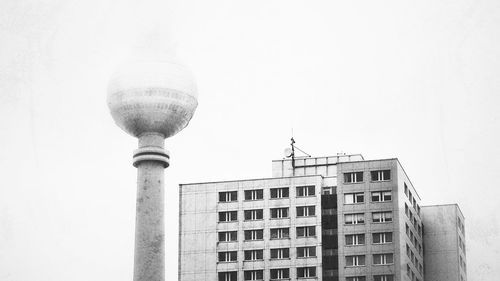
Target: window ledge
[(253, 200), (253, 220), (253, 240), (225, 262), (301, 258), (284, 238), (279, 198)]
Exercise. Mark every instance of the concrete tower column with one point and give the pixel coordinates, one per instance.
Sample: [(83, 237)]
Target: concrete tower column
[(151, 160), (151, 100)]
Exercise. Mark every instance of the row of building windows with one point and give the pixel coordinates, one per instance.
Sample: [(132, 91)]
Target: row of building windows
[(359, 239), (378, 259), (413, 239), (275, 193), (413, 220), (275, 253), (276, 233), (275, 274), (357, 177), (412, 200), (284, 273), (359, 218), (414, 260), (412, 275), (275, 213), (359, 197), (375, 278)]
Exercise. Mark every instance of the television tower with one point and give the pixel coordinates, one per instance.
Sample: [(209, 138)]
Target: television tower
[(151, 100)]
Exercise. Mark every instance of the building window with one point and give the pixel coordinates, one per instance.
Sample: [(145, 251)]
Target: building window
[(306, 231), (354, 239), (280, 253), (280, 233), (353, 177), (383, 259), (381, 196), (228, 256), (355, 278), (306, 272), (254, 234), (305, 252), (228, 276), (228, 216), (303, 191), (253, 274), (306, 211), (382, 217), (228, 196), (251, 215), (353, 198), (406, 189), (410, 196), (382, 175), (383, 278), (358, 260), (228, 236), (256, 194), (280, 273), (279, 213), (253, 255), (382, 237), (354, 218), (281, 192), (327, 190)]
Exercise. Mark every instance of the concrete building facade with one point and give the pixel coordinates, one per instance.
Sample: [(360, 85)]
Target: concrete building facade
[(322, 218), (444, 240)]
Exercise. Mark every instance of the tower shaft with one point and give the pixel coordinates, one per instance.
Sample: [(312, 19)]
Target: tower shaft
[(151, 160)]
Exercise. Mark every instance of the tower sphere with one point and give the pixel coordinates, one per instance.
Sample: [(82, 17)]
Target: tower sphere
[(152, 97)]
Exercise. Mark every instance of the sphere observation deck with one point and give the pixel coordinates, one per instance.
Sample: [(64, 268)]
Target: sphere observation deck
[(152, 97)]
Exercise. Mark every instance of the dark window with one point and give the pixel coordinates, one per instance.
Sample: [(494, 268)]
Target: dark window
[(282, 192), (254, 214), (227, 236), (356, 278), (251, 255), (381, 196), (255, 234), (228, 276), (280, 233), (353, 177), (256, 194), (306, 231), (305, 272), (383, 277), (228, 196), (354, 239), (306, 211), (227, 256), (304, 252), (280, 253), (280, 273), (254, 274), (228, 216), (382, 237), (303, 191), (381, 175), (278, 213)]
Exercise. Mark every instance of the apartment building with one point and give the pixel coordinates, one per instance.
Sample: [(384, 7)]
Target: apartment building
[(322, 218)]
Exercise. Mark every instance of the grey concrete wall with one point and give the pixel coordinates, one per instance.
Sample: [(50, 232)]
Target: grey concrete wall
[(441, 238), (199, 225), (367, 186)]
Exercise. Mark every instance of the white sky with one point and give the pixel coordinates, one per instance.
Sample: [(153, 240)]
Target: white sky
[(415, 80)]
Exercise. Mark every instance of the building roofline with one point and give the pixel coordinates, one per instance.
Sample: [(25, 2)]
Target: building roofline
[(254, 179), (443, 205)]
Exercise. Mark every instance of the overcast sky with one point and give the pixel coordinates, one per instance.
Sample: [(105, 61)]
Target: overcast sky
[(414, 80)]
